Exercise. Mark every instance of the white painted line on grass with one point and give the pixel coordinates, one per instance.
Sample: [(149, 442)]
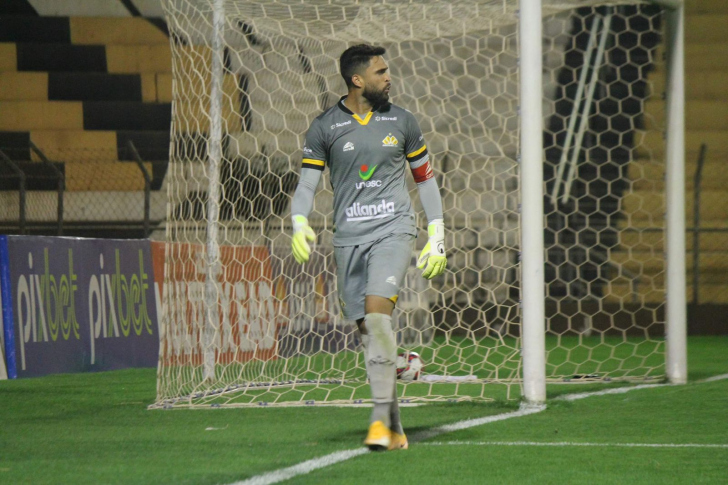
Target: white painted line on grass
[(302, 468), (566, 443), (525, 410), (715, 378), (622, 390), (308, 466), (324, 461), (614, 390)]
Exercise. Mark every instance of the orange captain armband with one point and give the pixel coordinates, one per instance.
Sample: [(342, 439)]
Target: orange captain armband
[(423, 172)]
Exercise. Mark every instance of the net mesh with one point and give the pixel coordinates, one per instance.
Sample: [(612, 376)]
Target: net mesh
[(245, 325)]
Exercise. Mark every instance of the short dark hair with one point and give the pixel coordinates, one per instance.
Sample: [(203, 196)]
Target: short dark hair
[(355, 58)]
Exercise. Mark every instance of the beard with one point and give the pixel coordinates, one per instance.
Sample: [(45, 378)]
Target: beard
[(376, 97)]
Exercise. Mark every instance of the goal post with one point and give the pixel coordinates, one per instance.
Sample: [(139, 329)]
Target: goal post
[(676, 299), (545, 125), (532, 224)]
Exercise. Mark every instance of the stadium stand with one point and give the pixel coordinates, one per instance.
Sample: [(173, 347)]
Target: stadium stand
[(706, 59), (80, 89)]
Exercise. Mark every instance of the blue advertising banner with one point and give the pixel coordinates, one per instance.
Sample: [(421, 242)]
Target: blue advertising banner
[(7, 310), (79, 304)]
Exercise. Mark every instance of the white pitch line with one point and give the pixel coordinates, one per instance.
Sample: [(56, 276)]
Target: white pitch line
[(622, 390), (566, 443), (715, 378), (302, 468), (333, 458), (614, 390), (525, 410), (308, 466)]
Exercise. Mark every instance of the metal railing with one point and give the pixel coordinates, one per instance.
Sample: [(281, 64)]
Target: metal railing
[(21, 189), (61, 181), (81, 208)]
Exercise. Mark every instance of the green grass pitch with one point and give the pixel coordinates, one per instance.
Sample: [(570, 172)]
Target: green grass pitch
[(95, 428)]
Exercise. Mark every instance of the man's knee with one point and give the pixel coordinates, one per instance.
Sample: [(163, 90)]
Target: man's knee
[(378, 304)]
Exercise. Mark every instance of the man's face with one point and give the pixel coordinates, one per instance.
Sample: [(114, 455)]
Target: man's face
[(377, 82)]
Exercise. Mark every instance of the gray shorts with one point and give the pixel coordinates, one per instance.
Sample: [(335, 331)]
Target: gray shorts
[(375, 268)]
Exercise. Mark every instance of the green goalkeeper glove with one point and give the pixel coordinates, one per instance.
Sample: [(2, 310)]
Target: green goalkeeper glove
[(432, 257), (302, 233)]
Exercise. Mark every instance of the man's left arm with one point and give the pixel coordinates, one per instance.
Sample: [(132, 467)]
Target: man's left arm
[(432, 258)]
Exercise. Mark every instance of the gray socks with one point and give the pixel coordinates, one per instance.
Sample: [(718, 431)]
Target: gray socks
[(380, 354)]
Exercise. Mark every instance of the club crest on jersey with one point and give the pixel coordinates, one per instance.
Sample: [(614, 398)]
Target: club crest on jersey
[(349, 146), (365, 172), (389, 141)]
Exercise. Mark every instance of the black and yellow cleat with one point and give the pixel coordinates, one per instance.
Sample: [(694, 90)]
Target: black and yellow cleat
[(398, 441), (379, 437)]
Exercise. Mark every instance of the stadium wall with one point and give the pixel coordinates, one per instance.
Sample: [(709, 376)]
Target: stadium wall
[(77, 305), (85, 305)]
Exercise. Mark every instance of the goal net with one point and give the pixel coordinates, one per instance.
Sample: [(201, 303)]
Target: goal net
[(244, 325)]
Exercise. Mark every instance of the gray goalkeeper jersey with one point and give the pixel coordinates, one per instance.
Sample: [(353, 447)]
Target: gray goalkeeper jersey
[(367, 160)]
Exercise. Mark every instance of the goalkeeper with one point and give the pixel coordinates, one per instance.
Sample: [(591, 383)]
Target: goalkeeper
[(367, 144)]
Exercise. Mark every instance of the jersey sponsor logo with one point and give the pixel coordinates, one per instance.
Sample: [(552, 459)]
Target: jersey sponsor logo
[(391, 280), (365, 212), (349, 146), (365, 173), (389, 141), (368, 184), (339, 125), (385, 118), (307, 151)]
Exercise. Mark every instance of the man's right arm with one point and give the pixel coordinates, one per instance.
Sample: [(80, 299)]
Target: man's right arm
[(302, 203), (313, 163)]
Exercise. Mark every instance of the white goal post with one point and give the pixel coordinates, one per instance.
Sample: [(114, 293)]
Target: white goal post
[(534, 368), (535, 291)]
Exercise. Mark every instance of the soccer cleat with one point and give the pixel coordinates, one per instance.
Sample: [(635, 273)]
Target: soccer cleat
[(398, 441), (378, 438)]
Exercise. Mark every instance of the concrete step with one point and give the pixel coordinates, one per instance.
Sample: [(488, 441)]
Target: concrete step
[(126, 59), (706, 28), (23, 86), (706, 56), (699, 114), (623, 293), (657, 280), (65, 86), (8, 56), (98, 176), (651, 144), (41, 115), (630, 240), (702, 7), (699, 85), (55, 142), (712, 264), (643, 208), (650, 176), (116, 30)]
